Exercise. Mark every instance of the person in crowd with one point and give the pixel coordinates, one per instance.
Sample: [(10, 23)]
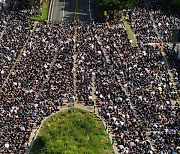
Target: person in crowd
[(134, 91)]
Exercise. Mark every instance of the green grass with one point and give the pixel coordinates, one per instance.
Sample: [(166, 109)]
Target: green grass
[(73, 131), (130, 33), (44, 10)]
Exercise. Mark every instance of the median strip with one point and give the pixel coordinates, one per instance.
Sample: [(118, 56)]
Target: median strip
[(130, 33), (43, 11)]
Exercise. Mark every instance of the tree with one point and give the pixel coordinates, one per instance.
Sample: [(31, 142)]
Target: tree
[(112, 5), (26, 3), (115, 4), (175, 3)]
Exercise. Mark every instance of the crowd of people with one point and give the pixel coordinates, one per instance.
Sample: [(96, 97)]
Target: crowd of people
[(135, 97), (41, 79), (134, 91), (11, 45), (142, 25), (165, 18)]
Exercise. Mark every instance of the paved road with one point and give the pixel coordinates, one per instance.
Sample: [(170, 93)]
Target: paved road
[(64, 10), (84, 10)]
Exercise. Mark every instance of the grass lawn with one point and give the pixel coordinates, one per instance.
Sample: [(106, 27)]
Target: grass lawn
[(43, 12), (72, 131), (130, 33)]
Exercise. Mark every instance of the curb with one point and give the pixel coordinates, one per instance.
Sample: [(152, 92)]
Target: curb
[(50, 11)]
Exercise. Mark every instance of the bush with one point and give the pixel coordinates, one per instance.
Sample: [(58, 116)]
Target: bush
[(72, 131)]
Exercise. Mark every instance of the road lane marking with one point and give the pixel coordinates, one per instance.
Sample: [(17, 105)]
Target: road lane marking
[(50, 12), (63, 9), (53, 1), (76, 10), (90, 10)]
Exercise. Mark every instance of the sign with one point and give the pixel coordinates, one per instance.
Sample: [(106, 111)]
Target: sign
[(105, 13)]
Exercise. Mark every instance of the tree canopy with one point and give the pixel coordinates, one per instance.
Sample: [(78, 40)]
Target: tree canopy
[(72, 131), (175, 3), (28, 2), (115, 4)]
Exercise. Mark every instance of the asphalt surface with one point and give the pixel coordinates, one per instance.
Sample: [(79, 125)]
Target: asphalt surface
[(83, 10), (64, 10)]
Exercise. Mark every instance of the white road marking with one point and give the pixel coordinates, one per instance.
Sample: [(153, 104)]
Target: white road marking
[(90, 10), (52, 9), (49, 13), (64, 9)]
